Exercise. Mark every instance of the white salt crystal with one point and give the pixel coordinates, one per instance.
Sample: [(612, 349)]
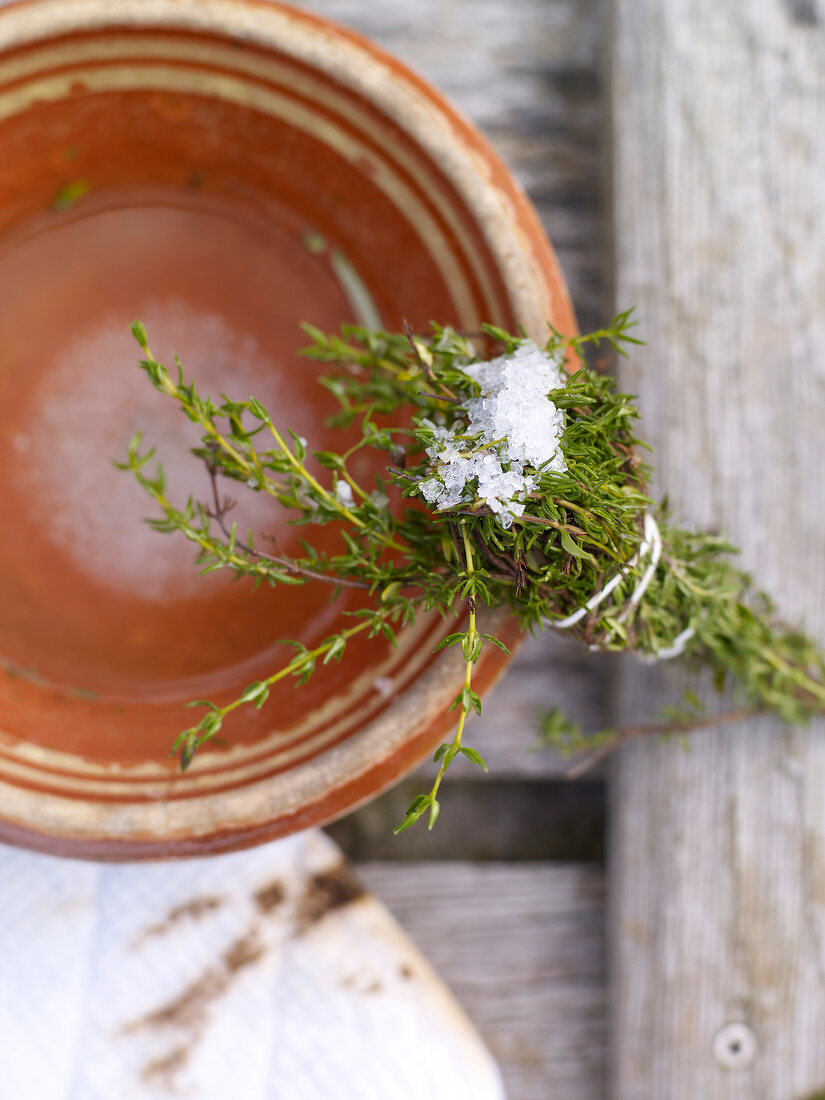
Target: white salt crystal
[(431, 489), (383, 685), (514, 405), (514, 414), (343, 494)]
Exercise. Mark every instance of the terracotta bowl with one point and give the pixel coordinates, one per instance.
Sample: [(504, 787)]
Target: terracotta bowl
[(222, 170)]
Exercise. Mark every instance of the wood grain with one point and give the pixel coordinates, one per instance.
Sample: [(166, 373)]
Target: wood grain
[(718, 853), (522, 948)]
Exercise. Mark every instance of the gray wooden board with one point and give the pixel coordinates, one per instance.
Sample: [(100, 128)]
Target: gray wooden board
[(528, 74), (718, 853), (522, 948)]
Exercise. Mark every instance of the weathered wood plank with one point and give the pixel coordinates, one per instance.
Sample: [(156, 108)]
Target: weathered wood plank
[(522, 948), (718, 854), (529, 76)]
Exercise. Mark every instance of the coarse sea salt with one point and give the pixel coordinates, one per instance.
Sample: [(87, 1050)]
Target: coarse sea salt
[(343, 494), (516, 419)]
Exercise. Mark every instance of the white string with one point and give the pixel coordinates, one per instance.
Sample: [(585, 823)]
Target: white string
[(592, 603), (671, 651), (651, 544)]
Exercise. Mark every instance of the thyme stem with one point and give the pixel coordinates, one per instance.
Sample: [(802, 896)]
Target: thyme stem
[(662, 729), (471, 637), (301, 660)]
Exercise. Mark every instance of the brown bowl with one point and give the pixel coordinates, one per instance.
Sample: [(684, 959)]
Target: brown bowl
[(222, 169)]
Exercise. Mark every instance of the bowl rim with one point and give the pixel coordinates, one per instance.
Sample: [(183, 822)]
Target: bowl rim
[(372, 759)]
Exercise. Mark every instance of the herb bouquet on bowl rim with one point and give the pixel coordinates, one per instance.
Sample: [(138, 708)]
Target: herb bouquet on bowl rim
[(523, 489)]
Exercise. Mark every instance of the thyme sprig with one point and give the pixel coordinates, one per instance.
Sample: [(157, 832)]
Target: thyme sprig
[(574, 533)]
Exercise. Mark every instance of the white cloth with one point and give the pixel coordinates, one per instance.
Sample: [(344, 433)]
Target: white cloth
[(185, 979)]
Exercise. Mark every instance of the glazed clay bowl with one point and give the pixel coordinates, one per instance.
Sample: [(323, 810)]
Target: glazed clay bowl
[(222, 170)]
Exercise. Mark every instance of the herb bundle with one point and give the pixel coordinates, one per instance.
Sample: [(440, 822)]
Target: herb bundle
[(521, 485)]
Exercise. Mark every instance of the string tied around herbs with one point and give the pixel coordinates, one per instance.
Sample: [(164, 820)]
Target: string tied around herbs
[(650, 546)]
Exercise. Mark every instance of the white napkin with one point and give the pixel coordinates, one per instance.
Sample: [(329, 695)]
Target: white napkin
[(261, 975)]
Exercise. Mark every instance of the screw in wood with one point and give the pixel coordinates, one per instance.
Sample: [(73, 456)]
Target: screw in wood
[(734, 1046)]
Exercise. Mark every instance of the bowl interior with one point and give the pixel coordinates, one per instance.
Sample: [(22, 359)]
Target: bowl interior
[(222, 194)]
